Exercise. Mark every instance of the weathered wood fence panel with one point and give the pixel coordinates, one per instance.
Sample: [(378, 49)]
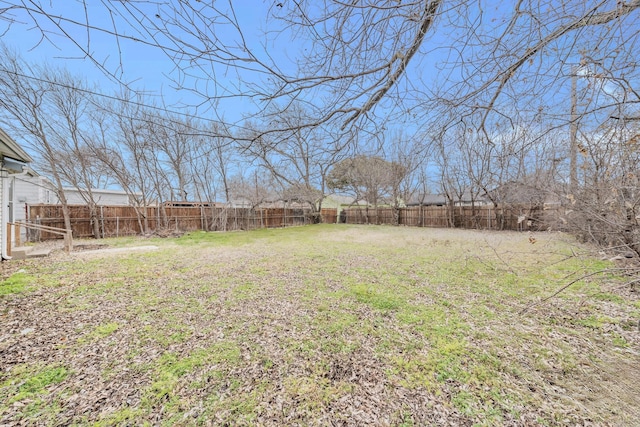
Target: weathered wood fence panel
[(424, 216), (115, 221), (329, 215)]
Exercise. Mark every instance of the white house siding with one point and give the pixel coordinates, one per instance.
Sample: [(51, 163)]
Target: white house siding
[(9, 204), (101, 197), (9, 207), (33, 190), (26, 189), (3, 173)]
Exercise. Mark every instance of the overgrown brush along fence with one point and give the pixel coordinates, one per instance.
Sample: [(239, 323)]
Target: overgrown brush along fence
[(513, 217), (116, 221)]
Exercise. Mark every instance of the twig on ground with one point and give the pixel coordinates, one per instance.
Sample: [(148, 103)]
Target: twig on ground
[(511, 270), (556, 293)]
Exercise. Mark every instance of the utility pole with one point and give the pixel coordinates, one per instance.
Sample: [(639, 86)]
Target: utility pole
[(573, 159)]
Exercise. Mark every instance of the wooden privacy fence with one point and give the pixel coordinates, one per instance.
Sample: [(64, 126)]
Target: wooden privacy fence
[(518, 218), (116, 221)]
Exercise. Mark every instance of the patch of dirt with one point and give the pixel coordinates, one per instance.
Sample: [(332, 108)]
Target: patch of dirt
[(89, 247), (105, 251), (167, 233)]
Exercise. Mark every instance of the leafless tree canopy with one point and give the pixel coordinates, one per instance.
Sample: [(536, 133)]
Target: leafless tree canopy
[(500, 97), (363, 58), (368, 178)]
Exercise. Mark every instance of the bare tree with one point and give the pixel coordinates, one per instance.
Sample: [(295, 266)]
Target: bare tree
[(28, 110), (212, 161), (605, 207), (123, 148), (298, 158), (171, 140), (252, 189), (359, 57), (453, 181), (113, 155), (409, 156), (388, 36), (371, 178), (72, 136)]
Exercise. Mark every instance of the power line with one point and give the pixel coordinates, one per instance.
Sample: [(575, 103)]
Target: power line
[(119, 99)]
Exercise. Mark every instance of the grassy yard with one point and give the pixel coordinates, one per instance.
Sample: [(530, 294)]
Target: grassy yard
[(320, 325)]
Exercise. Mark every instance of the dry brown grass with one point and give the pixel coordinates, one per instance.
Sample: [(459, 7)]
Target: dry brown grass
[(322, 325)]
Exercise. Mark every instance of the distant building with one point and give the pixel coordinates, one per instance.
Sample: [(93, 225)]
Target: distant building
[(339, 201), (428, 200), (466, 199), (186, 204), (33, 189), (524, 194)]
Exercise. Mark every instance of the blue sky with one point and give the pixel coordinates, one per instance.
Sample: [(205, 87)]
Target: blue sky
[(149, 69), (146, 68), (448, 61)]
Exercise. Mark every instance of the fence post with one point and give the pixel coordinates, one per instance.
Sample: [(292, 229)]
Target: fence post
[(102, 219), (68, 241), (17, 238), (8, 239)]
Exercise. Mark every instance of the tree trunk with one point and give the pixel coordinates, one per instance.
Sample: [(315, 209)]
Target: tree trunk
[(95, 221)]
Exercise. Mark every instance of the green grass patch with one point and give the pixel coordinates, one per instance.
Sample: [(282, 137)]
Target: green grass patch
[(27, 382), (167, 371), (379, 298), (124, 416), (17, 283), (100, 331), (606, 296), (593, 321)]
